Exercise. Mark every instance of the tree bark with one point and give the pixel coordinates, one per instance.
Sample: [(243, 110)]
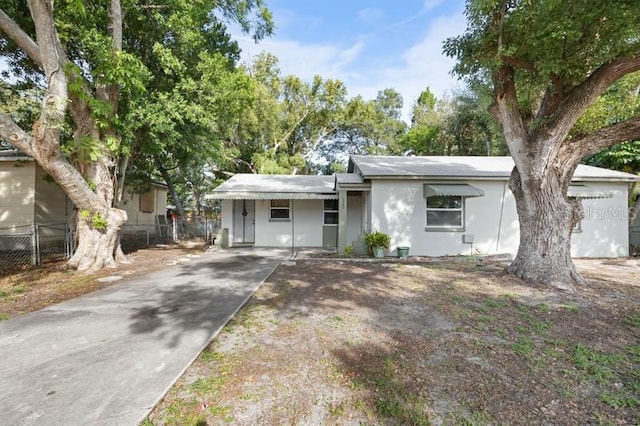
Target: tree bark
[(545, 159), (98, 224), (547, 218), (172, 189)]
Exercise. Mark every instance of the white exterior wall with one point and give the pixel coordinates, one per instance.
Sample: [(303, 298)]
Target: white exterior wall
[(399, 209), (307, 224), (605, 227)]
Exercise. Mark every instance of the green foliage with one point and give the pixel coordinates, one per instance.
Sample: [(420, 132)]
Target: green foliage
[(565, 40), (99, 222), (377, 239), (348, 251), (95, 219), (458, 126)]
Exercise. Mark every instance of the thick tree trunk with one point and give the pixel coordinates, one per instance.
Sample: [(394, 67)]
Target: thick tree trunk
[(98, 224), (547, 218), (98, 248)]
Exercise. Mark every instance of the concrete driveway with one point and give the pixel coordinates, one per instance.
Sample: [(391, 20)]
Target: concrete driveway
[(106, 358)]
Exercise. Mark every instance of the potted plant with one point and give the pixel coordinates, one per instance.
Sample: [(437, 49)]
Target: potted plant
[(377, 242)]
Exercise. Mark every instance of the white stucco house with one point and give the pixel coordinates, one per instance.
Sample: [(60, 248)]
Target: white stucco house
[(434, 205)]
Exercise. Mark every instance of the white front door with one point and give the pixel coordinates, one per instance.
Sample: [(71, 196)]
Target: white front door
[(244, 221)]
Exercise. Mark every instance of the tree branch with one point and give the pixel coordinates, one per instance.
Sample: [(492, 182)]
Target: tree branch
[(21, 38), (519, 63), (14, 134), (604, 137), (506, 111), (576, 101)]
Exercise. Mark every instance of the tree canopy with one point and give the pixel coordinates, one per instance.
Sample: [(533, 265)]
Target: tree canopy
[(548, 63)]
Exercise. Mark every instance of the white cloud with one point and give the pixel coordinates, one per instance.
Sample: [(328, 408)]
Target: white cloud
[(412, 70), (306, 60), (370, 15)]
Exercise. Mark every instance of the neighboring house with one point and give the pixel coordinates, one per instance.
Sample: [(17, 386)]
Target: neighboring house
[(434, 205), (29, 196)]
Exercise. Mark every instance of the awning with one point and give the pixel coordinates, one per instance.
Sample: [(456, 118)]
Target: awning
[(452, 190), (246, 195), (583, 191)]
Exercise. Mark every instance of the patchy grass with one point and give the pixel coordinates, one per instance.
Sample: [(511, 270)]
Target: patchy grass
[(420, 344)]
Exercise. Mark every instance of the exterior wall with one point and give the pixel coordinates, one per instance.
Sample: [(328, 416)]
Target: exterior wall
[(307, 224), (17, 193), (399, 209), (227, 223), (605, 226), (355, 218), (51, 203), (135, 217)]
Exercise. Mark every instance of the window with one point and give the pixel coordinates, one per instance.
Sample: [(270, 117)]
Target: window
[(147, 202), (330, 212), (279, 210), (445, 212)]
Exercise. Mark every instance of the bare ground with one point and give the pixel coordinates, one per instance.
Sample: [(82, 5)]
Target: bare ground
[(32, 288), (332, 342)]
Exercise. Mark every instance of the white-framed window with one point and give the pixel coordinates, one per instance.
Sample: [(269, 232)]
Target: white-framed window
[(331, 212), (445, 212), (280, 210)]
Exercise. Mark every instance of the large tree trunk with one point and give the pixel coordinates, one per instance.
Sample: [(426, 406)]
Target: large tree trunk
[(98, 223), (547, 218)]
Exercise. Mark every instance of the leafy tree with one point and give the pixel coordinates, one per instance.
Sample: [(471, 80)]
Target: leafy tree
[(549, 62), (457, 126), (426, 136), (367, 127), (469, 128), (78, 59)]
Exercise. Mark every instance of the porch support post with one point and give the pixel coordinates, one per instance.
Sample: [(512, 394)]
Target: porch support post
[(342, 220)]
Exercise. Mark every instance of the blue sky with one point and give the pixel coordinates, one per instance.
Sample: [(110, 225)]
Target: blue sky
[(369, 45)]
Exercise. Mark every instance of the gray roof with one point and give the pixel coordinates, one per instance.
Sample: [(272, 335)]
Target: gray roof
[(463, 167), (13, 155), (257, 187), (349, 178)]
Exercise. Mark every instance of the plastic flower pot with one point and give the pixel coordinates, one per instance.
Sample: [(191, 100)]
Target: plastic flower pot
[(403, 252)]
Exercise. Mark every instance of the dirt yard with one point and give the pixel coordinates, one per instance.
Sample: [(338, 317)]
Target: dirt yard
[(332, 342), (34, 288)]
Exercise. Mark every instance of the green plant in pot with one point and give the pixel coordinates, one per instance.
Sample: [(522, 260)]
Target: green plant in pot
[(377, 242)]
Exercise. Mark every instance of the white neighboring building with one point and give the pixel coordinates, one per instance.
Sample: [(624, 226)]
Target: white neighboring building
[(433, 205)]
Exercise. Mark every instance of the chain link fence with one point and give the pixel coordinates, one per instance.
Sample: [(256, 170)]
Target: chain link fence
[(27, 245), (206, 228), (136, 237), (634, 240), (35, 244)]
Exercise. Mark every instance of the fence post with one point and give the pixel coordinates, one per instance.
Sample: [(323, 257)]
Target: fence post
[(35, 244), (68, 241)]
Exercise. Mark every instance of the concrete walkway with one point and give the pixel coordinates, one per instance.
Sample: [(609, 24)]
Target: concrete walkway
[(106, 358)]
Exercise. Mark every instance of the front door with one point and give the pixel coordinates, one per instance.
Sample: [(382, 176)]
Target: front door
[(244, 221)]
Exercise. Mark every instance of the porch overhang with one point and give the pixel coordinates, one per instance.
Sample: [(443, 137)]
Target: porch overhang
[(246, 195), (451, 190), (585, 192)]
